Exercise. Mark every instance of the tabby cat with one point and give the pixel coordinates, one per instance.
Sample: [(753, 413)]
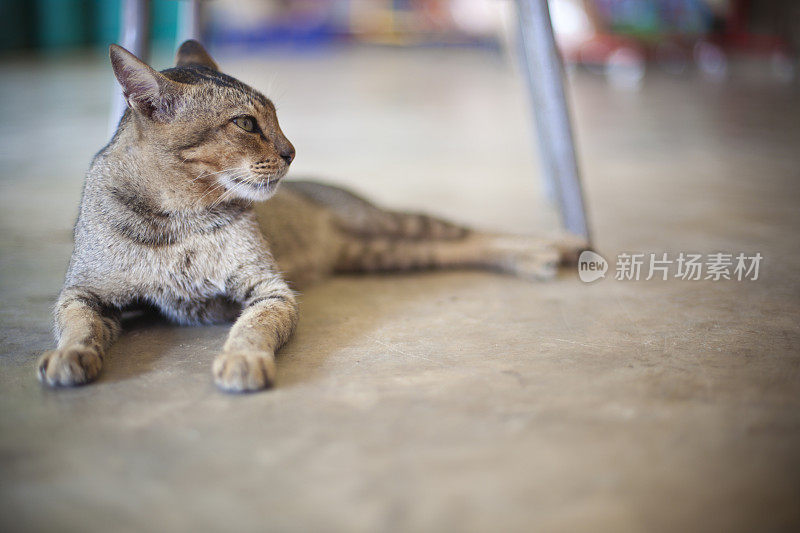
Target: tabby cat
[(168, 220)]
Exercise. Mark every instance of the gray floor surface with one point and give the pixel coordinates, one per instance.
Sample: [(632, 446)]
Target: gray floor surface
[(455, 401)]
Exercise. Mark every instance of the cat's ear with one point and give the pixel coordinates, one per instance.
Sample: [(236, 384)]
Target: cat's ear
[(192, 53), (149, 92)]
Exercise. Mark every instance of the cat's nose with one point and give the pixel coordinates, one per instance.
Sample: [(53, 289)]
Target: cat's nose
[(287, 154)]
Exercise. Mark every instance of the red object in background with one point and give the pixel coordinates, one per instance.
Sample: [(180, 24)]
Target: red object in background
[(737, 36), (624, 56)]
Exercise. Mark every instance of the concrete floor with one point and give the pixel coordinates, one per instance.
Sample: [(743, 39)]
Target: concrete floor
[(433, 402)]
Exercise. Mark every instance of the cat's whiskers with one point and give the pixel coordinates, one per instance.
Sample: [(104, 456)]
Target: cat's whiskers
[(241, 174), (199, 176), (243, 186), (231, 192), (228, 193), (216, 186), (232, 174), (219, 199)]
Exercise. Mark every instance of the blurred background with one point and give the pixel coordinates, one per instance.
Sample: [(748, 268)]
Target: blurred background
[(436, 65), (674, 35)]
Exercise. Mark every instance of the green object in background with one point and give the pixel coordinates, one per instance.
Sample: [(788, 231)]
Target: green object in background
[(164, 21), (106, 21), (16, 24), (62, 23)]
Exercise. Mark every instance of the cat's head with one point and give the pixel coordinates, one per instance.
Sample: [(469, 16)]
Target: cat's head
[(220, 136)]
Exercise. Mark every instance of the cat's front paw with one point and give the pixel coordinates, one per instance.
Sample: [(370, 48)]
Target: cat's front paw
[(67, 367), (244, 371)]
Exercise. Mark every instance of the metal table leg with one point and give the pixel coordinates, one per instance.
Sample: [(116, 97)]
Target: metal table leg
[(546, 82), (133, 36)]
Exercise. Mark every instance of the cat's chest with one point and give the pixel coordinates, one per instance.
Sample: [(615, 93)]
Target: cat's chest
[(195, 268), (190, 284), (191, 270), (198, 267)]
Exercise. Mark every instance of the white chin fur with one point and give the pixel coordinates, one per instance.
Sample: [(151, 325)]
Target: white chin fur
[(256, 195), (247, 192)]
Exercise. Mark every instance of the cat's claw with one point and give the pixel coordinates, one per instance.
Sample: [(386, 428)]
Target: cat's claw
[(243, 371), (68, 367)]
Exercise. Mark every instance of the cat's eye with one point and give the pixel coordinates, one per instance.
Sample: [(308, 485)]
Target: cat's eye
[(247, 123)]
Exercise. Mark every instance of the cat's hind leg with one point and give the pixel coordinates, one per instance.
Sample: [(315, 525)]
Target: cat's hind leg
[(381, 240), (526, 257)]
